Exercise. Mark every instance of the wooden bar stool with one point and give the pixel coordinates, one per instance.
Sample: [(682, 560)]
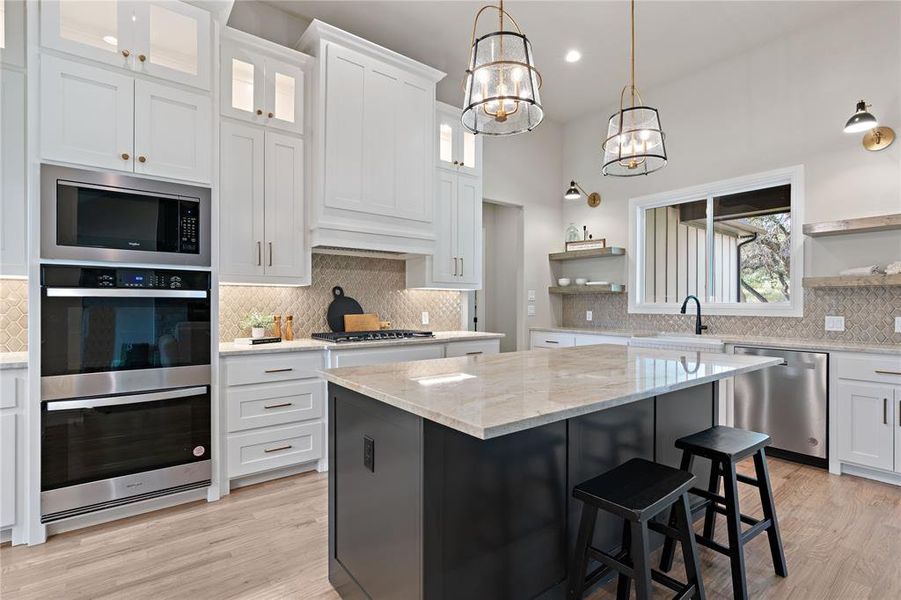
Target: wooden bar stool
[(724, 447), (637, 491)]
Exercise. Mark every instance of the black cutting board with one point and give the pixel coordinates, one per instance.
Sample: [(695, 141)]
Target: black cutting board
[(340, 306)]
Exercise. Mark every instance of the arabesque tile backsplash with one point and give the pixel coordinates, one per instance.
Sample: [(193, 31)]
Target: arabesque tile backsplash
[(13, 315), (869, 316), (376, 283)]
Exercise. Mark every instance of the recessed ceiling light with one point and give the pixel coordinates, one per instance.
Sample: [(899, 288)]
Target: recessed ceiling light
[(573, 56), (111, 40)]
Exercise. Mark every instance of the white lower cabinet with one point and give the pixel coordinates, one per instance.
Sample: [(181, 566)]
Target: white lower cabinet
[(551, 339), (584, 339), (13, 386), (473, 348), (373, 356), (865, 398), (254, 451)]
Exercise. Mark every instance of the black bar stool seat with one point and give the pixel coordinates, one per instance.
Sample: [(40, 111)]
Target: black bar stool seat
[(725, 447), (637, 491)]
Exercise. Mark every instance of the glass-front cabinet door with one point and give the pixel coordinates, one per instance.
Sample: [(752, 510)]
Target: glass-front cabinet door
[(283, 96), (242, 83), (101, 30), (458, 149)]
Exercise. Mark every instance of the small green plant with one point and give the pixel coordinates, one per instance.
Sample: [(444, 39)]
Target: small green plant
[(255, 319)]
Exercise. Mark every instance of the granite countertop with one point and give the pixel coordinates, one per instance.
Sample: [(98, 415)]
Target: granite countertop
[(738, 340), (307, 344), (490, 395), (13, 360)]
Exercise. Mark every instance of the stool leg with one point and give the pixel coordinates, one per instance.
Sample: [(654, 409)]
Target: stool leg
[(579, 563), (689, 547), (641, 563), (733, 526), (669, 546), (709, 514), (623, 583), (769, 512)]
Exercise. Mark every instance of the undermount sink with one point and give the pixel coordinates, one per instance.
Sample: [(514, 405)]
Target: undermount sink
[(676, 340)]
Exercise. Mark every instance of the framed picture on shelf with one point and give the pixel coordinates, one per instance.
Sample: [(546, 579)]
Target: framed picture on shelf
[(586, 245)]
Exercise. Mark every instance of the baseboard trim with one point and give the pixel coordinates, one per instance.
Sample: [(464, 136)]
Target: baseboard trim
[(270, 475), (868, 473)]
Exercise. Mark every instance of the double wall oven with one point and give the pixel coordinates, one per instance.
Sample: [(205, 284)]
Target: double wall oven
[(125, 385)]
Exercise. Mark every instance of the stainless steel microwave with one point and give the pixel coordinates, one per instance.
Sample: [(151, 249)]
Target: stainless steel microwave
[(102, 216)]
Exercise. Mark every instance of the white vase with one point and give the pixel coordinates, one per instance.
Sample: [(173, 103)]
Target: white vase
[(257, 332)]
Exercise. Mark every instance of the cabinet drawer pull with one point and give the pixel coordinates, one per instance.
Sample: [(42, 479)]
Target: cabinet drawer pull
[(899, 413), (282, 405), (270, 254), (551, 342), (471, 353), (885, 411), (259, 254), (884, 372), (280, 448), (461, 266), (285, 370)]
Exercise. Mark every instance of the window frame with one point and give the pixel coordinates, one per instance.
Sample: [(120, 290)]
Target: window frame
[(793, 176)]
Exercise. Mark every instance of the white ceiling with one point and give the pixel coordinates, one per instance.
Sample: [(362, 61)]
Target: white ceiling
[(674, 38)]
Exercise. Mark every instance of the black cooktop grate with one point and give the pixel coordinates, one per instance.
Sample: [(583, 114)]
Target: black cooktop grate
[(371, 336)]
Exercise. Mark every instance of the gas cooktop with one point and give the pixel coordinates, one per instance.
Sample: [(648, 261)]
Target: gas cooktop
[(371, 336)]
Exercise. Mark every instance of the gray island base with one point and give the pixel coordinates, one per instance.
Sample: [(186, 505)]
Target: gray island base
[(451, 478)]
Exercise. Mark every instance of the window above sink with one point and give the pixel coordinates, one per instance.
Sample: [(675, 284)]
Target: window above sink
[(731, 243)]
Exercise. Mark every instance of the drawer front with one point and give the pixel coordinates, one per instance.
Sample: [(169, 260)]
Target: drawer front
[(584, 339), (274, 448), (864, 367), (473, 348), (268, 404), (376, 356), (550, 339), (272, 367)]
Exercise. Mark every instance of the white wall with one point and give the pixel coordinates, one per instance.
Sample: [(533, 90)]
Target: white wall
[(502, 272), (524, 170), (267, 22), (781, 104)]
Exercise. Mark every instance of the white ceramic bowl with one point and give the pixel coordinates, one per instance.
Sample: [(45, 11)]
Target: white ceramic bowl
[(581, 281), (563, 281)]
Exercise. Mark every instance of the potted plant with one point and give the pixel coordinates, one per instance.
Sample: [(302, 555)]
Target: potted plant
[(257, 323)]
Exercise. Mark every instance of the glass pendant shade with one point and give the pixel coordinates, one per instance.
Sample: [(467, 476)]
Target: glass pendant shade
[(501, 87), (862, 120), (634, 144)]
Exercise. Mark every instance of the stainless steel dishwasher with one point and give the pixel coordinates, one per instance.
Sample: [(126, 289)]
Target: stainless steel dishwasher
[(788, 402)]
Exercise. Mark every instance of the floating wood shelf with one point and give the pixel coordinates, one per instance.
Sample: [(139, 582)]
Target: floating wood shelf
[(851, 281), (862, 225), (610, 288), (595, 253)]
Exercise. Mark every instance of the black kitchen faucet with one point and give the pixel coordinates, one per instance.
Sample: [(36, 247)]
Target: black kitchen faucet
[(698, 327)]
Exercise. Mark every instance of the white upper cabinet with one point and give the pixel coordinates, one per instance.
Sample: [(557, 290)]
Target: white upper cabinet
[(284, 214), (12, 32), (262, 83), (458, 149), (13, 248), (469, 230), (162, 38), (97, 117), (172, 132), (374, 114)]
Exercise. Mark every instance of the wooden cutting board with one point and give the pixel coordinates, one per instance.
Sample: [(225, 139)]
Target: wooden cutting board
[(364, 322)]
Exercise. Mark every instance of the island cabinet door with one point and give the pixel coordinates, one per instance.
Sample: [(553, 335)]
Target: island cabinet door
[(682, 413)]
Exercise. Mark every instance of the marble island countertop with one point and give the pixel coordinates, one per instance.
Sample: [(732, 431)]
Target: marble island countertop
[(487, 396), (307, 344), (740, 340)]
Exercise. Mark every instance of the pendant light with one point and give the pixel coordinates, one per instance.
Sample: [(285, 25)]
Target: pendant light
[(634, 143), (501, 86)]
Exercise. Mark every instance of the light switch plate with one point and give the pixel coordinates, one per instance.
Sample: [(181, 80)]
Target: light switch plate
[(531, 310), (897, 324), (531, 295), (425, 318), (588, 315), (835, 323)]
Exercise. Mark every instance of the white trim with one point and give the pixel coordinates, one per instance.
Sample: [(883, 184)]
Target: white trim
[(791, 175)]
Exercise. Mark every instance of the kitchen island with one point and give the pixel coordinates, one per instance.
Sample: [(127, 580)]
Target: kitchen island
[(452, 478)]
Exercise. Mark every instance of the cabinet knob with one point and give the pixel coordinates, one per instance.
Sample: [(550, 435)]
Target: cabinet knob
[(126, 53), (259, 111), (271, 115), (141, 57), (125, 156), (142, 159)]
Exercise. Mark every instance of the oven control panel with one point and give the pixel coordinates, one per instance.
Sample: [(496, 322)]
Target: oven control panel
[(97, 277)]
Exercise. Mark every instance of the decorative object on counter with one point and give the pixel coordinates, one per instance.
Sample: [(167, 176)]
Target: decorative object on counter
[(245, 341), (893, 268), (876, 138), (572, 233), (500, 92), (364, 322), (581, 281), (563, 281), (575, 191), (341, 305), (634, 144), (277, 326), (597, 283), (861, 271), (586, 245), (257, 323), (384, 324), (289, 328)]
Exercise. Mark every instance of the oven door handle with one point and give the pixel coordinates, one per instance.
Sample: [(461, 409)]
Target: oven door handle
[(54, 405), (120, 293)]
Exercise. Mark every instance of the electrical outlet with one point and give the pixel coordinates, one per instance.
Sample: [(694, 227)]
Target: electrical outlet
[(835, 323), (369, 453), (531, 295), (425, 318), (588, 315), (531, 310), (897, 324)]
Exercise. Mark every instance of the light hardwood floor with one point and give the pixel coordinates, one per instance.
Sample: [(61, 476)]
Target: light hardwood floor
[(842, 539)]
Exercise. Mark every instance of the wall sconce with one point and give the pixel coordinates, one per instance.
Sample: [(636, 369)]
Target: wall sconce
[(575, 191), (876, 138)]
